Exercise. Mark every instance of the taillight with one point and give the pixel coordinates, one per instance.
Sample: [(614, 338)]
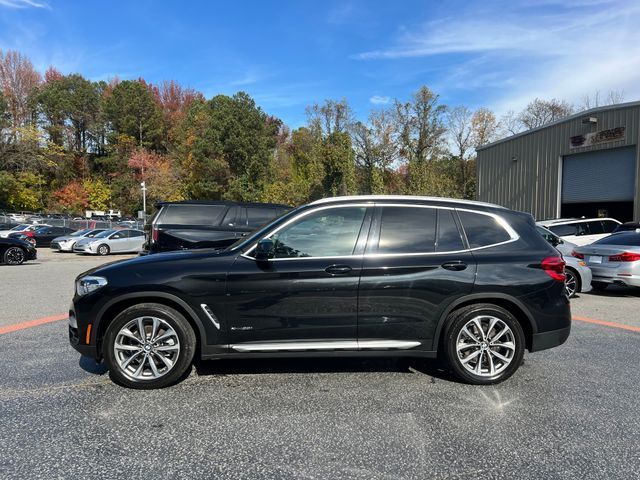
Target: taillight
[(625, 257), (554, 266), (154, 234), (577, 255), (29, 234)]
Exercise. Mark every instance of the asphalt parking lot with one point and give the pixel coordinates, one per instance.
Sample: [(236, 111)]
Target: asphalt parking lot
[(570, 412)]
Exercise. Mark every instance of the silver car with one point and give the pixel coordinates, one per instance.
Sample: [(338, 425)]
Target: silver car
[(111, 241), (613, 260), (65, 243), (577, 273)]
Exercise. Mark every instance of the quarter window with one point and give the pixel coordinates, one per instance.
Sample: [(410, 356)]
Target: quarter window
[(407, 230), (482, 230), (609, 226), (324, 233)]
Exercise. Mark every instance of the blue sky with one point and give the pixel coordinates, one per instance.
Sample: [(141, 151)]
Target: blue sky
[(290, 54)]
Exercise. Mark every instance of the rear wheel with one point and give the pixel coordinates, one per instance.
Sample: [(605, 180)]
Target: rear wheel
[(14, 256), (484, 344), (103, 249), (599, 286), (572, 282), (148, 346)]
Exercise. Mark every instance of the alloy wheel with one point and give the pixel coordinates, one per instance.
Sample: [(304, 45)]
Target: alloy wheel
[(146, 348), (14, 256), (485, 346), (570, 283)]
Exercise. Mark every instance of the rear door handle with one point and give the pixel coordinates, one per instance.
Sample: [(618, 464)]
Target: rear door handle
[(338, 269), (454, 266)]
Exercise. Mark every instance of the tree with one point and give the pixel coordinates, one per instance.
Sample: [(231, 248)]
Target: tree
[(541, 112), (98, 194), (130, 108), (72, 197), (596, 100), (18, 79), (338, 162), (375, 149), (484, 127), (333, 116), (421, 136), (510, 124)]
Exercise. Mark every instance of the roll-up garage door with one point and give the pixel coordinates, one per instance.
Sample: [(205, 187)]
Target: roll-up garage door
[(601, 176)]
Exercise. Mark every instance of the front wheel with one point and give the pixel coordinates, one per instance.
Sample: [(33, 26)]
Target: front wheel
[(484, 344), (14, 256), (148, 346), (103, 249)]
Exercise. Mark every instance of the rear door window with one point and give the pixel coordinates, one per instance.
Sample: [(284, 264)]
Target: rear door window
[(407, 230), (205, 215), (482, 230)]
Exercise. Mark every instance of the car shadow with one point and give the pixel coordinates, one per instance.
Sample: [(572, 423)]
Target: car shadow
[(616, 291), (89, 365), (428, 367)]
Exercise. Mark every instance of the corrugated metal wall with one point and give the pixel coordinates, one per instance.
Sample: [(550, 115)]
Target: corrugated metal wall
[(522, 172)]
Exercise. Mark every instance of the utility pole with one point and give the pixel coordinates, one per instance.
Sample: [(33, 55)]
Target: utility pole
[(143, 186)]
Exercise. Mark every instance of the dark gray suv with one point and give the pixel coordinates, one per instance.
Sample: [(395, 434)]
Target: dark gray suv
[(202, 224)]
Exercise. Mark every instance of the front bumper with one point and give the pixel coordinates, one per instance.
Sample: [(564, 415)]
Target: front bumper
[(82, 249), (78, 337), (553, 338)]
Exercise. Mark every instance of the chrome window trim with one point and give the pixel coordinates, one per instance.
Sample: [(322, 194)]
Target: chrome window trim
[(500, 220)]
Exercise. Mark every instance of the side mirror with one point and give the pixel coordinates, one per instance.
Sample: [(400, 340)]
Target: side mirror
[(265, 249)]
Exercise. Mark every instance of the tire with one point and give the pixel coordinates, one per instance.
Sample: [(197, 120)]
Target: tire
[(147, 369), (572, 283), (599, 286), (103, 249), (497, 363), (14, 256)]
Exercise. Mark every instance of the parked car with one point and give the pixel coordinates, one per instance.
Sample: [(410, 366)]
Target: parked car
[(613, 260), (65, 243), (196, 224), (372, 275), (581, 231), (7, 226), (16, 252), (627, 227), (41, 237), (577, 273), (22, 227), (111, 241)]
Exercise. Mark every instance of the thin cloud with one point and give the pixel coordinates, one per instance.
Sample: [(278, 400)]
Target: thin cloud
[(379, 100), (23, 4), (515, 55)]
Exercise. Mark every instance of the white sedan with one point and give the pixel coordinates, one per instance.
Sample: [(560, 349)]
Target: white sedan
[(111, 241)]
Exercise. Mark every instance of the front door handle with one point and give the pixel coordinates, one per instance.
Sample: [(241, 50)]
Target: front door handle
[(454, 266), (338, 269)]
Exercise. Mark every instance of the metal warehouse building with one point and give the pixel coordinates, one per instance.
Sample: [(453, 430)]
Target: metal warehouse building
[(587, 165)]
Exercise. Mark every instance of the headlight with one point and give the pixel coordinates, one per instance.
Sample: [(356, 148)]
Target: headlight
[(89, 284)]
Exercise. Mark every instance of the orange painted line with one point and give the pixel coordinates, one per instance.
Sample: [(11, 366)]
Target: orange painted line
[(32, 323), (621, 326)]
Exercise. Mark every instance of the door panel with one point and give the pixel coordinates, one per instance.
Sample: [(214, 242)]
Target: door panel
[(309, 290), (402, 296)]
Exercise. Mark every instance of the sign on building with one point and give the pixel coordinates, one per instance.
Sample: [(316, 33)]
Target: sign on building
[(595, 138)]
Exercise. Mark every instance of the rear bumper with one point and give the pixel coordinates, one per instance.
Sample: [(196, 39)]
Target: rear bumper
[(553, 338), (625, 280)]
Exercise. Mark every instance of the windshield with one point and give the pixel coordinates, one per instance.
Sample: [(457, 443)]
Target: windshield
[(104, 234), (19, 227), (253, 236), (79, 233)]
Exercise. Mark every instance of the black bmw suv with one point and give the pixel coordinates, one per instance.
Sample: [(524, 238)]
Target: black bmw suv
[(470, 282)]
